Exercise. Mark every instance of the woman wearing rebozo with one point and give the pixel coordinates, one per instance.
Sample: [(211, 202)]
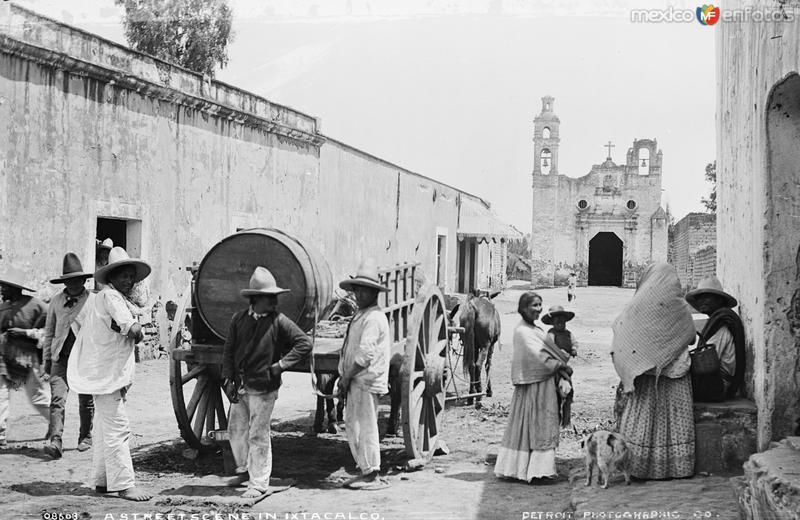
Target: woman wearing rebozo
[(651, 356), (528, 450)]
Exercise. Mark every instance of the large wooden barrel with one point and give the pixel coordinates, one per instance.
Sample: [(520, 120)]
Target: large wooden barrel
[(227, 267)]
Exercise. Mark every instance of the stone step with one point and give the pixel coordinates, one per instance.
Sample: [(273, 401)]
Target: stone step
[(725, 435), (770, 487)]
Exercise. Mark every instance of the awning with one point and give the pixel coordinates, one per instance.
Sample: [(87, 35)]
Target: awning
[(486, 228)]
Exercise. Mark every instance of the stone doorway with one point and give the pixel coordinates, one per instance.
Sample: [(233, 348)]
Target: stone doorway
[(605, 259)]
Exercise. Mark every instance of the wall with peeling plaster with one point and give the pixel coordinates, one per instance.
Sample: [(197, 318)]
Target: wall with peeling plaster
[(758, 214), (91, 129)]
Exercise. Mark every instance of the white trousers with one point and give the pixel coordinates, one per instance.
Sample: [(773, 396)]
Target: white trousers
[(361, 424), (250, 436), (38, 392), (111, 453)]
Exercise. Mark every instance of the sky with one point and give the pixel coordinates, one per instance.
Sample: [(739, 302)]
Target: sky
[(449, 89)]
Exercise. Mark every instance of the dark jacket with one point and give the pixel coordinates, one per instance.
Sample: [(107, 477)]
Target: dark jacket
[(18, 354), (253, 345)]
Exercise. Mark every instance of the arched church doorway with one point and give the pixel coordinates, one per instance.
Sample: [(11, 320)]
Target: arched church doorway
[(605, 259)]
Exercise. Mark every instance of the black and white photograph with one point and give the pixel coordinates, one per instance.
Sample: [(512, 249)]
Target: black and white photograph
[(399, 259)]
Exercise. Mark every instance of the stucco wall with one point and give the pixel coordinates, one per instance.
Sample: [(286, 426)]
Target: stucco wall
[(561, 231), (91, 129), (361, 213), (759, 203)]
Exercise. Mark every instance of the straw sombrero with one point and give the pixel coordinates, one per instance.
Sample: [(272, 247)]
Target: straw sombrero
[(106, 244), (261, 283), (15, 278), (366, 276), (710, 285), (71, 269), (118, 257), (556, 310)]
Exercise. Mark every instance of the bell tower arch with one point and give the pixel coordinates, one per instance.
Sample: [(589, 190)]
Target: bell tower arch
[(546, 139)]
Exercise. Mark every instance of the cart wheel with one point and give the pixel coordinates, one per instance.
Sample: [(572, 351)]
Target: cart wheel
[(423, 372), (206, 409)]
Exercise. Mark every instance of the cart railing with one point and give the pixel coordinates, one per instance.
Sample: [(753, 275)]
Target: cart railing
[(398, 301)]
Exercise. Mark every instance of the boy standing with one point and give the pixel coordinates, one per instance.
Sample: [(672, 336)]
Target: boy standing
[(564, 339)]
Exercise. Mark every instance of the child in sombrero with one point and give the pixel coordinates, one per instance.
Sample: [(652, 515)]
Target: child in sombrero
[(565, 340)]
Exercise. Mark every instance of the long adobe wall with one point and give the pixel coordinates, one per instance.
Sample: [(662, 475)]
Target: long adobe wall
[(89, 129)]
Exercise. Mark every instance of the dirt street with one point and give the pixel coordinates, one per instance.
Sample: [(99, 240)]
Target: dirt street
[(460, 485)]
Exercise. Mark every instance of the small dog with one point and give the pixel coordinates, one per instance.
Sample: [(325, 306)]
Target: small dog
[(609, 452)]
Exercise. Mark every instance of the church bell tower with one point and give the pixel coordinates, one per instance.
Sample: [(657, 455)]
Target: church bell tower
[(545, 139)]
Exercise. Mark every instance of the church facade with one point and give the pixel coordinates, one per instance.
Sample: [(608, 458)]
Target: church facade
[(605, 226)]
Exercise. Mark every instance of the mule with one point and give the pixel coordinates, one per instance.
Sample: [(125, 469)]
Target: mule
[(481, 323), (326, 384)]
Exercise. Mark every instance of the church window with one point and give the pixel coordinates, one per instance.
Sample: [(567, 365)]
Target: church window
[(546, 133), (582, 204), (631, 204)]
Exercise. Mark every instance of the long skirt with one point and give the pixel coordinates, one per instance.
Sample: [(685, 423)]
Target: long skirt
[(531, 437), (657, 419)]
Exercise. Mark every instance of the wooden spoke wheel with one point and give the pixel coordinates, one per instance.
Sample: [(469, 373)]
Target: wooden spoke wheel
[(198, 399), (422, 373)]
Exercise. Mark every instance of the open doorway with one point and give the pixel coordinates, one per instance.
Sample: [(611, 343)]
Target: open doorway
[(125, 233), (441, 260), (605, 259)]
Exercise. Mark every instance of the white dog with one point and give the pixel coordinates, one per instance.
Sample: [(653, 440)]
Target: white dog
[(609, 452)]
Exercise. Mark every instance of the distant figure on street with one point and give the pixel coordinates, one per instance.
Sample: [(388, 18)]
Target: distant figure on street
[(57, 344), (364, 374), (22, 319), (261, 344), (651, 355), (102, 364), (725, 331), (572, 283)]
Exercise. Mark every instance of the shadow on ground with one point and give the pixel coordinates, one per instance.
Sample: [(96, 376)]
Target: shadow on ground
[(40, 488)]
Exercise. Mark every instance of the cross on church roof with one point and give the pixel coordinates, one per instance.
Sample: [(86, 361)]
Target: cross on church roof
[(609, 146)]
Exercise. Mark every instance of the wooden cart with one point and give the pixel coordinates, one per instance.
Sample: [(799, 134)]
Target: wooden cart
[(417, 320)]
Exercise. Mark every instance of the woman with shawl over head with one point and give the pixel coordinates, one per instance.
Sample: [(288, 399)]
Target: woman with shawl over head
[(650, 354), (529, 444)]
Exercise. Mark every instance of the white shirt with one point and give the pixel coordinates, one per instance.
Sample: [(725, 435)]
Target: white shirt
[(369, 343), (102, 360), (726, 350)]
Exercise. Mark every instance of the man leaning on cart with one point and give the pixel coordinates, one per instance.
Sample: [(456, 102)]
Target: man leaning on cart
[(261, 344)]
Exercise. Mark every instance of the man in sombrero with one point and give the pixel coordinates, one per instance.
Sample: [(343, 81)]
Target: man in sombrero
[(725, 331), (364, 374), (102, 364), (22, 318), (260, 345), (57, 344)]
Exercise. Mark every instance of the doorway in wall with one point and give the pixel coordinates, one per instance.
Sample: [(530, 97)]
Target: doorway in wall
[(441, 260), (125, 233), (605, 259)]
